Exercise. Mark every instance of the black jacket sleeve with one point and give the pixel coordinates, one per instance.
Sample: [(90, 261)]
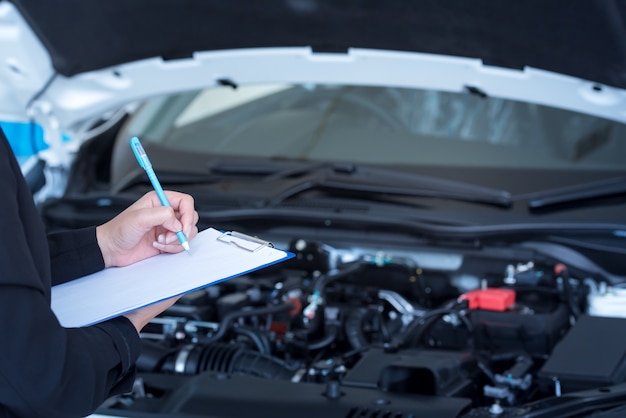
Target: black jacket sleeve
[(74, 254), (47, 370)]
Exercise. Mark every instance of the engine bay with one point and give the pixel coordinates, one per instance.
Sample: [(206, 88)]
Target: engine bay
[(366, 331)]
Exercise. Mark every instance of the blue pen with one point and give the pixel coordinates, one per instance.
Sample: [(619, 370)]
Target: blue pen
[(144, 162)]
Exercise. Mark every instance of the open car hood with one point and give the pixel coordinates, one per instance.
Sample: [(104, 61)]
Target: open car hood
[(64, 62)]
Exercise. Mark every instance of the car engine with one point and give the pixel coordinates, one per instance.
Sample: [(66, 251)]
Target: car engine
[(366, 331)]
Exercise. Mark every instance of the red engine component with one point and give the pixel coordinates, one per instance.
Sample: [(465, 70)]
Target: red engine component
[(491, 299)]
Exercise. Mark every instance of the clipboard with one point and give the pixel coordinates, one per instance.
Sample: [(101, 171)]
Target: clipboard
[(243, 241), (215, 256)]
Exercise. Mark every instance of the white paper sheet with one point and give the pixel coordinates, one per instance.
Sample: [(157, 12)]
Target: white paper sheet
[(115, 291)]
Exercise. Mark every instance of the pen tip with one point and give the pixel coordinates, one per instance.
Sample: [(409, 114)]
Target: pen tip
[(186, 247)]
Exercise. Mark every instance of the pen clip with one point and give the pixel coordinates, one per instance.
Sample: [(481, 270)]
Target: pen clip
[(243, 241), (140, 153)]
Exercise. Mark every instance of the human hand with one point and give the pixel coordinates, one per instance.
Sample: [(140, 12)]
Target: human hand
[(147, 228), (141, 317)]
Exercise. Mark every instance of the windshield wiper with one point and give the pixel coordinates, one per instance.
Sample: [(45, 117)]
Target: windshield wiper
[(352, 178), (303, 176), (605, 188)]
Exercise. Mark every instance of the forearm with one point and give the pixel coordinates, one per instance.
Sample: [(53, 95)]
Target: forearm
[(50, 371)]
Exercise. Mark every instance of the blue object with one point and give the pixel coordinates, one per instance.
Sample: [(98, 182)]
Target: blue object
[(26, 139), (144, 162)]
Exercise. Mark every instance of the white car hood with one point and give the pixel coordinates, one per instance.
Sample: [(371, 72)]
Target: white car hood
[(34, 84)]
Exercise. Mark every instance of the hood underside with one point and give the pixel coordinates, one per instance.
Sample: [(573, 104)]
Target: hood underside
[(65, 62), (585, 39)]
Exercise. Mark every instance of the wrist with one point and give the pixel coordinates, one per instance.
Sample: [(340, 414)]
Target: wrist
[(101, 237), (137, 321)]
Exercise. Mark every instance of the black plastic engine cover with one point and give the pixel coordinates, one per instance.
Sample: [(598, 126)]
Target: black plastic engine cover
[(592, 354), (213, 395)]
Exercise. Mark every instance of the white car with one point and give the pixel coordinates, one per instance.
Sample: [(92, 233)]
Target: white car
[(450, 176)]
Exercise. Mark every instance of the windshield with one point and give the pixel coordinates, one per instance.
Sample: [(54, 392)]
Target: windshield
[(379, 125)]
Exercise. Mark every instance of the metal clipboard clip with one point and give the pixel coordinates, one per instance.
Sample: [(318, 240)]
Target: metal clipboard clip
[(243, 241)]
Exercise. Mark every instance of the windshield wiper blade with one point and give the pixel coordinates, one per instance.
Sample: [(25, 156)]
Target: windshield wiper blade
[(303, 176), (352, 178), (272, 168), (605, 188)]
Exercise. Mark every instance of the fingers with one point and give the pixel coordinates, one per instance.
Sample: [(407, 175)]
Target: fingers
[(168, 241), (184, 210), (180, 216), (184, 205), (147, 218)]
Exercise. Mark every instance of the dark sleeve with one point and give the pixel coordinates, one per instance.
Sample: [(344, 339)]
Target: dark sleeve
[(47, 370), (74, 254)]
